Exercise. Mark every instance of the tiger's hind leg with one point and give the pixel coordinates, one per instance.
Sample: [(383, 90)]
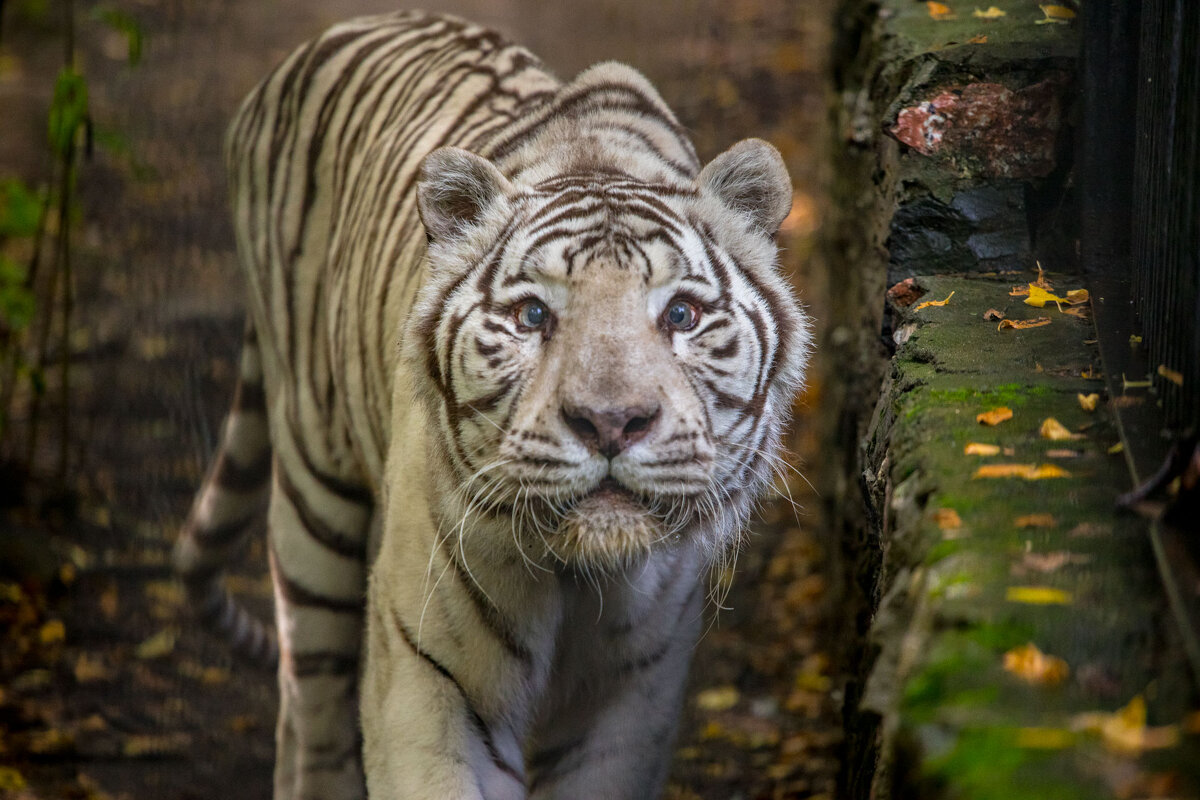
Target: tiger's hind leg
[(317, 529)]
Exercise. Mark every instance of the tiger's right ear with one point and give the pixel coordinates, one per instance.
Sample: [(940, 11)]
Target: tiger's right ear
[(455, 189)]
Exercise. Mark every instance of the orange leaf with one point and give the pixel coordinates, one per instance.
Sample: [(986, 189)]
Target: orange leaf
[(1029, 472), (980, 449), (1170, 374), (929, 303), (947, 519), (1077, 296), (1040, 520), (980, 38), (939, 11), (1124, 730), (1033, 666), (1019, 291), (994, 416), (1022, 324)]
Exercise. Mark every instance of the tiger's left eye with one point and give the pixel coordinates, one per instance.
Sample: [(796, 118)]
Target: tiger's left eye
[(532, 314), (681, 315)]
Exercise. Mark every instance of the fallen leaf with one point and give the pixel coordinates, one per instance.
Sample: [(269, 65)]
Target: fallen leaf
[(994, 416), (1059, 14), (1019, 291), (1042, 281), (159, 645), (1055, 431), (1031, 665), (89, 669), (939, 11), (52, 632), (905, 293), (144, 745), (1063, 453), (929, 303), (1049, 562), (1038, 297), (1041, 520), (991, 13), (1044, 738), (1170, 374), (11, 780), (980, 449), (1124, 730), (993, 315), (1077, 296), (1022, 324), (1088, 401), (979, 38), (719, 698), (1029, 472), (1119, 447), (1037, 595), (1077, 313), (947, 519)]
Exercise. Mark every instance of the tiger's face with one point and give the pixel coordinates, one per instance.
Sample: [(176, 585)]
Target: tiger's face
[(611, 359)]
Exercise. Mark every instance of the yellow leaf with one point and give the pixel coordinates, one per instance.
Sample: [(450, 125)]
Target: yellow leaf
[(1022, 324), (719, 698), (929, 303), (1055, 431), (991, 13), (980, 449), (1170, 374), (1044, 738), (939, 10), (947, 519), (52, 632), (1029, 472), (11, 779), (159, 645), (1037, 595), (1119, 447), (1038, 297), (1048, 471), (1041, 520), (1031, 665), (1077, 296), (1060, 14), (994, 416), (1088, 401), (1124, 730)]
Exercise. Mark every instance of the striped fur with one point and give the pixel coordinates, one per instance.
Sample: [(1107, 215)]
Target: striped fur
[(513, 353)]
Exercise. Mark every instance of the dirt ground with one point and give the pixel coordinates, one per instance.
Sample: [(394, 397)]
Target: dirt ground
[(106, 691)]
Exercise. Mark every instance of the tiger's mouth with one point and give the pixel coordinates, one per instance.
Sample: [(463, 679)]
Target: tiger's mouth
[(608, 526)]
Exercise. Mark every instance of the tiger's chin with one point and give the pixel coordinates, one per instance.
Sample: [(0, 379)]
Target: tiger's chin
[(608, 527)]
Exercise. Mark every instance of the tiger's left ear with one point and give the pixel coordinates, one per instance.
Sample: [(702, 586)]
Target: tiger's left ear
[(750, 177), (455, 190)]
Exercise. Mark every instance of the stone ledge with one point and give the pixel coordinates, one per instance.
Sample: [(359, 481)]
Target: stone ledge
[(968, 574)]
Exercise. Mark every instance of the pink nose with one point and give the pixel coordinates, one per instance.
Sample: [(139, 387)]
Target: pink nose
[(610, 431)]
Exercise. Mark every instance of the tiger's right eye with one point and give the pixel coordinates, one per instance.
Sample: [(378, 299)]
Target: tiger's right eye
[(532, 314)]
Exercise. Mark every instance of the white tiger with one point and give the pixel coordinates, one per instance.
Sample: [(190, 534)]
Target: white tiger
[(537, 421)]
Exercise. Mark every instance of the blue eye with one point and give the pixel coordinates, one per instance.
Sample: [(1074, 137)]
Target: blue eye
[(681, 315), (532, 314)]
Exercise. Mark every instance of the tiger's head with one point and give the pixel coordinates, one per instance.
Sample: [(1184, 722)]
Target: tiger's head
[(610, 358)]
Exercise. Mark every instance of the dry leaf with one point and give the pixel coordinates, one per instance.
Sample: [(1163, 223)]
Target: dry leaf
[(719, 698), (994, 416), (1063, 453), (979, 38), (1029, 472), (1042, 281), (52, 632), (1077, 313), (1019, 291), (1059, 14), (1022, 324), (939, 11), (1119, 447), (991, 13), (1170, 374), (993, 315), (159, 645), (947, 519), (1037, 595), (1041, 520), (1077, 296), (905, 293), (929, 303), (1033, 666), (1124, 730), (11, 779), (1088, 401), (1049, 562), (980, 449), (1055, 431)]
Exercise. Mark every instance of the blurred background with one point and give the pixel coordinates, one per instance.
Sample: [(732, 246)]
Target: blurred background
[(120, 319)]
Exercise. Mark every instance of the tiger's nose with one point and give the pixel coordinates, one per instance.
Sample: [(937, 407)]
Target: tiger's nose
[(610, 431)]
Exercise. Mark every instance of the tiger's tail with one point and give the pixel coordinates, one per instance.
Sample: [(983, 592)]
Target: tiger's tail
[(229, 501)]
